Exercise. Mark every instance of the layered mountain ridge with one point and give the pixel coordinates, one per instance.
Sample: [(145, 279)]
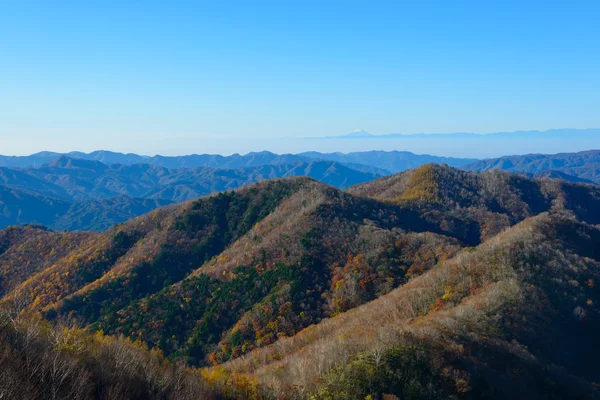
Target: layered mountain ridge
[(381, 162), (76, 194), (426, 284), (583, 166)]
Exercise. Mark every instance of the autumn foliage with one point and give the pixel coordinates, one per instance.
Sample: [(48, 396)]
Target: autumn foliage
[(430, 283)]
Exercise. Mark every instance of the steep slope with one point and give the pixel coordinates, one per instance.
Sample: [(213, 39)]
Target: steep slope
[(468, 327), (27, 250), (297, 236), (41, 361), (584, 165), (319, 253), (430, 283), (162, 246), (484, 203)]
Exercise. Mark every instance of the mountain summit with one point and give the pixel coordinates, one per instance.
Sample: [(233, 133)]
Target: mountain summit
[(430, 283), (358, 133)]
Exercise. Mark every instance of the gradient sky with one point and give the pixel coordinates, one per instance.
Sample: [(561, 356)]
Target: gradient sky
[(179, 77)]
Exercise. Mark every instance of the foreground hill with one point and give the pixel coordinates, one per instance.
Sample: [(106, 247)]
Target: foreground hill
[(41, 361), (485, 203), (427, 284), (470, 327), (277, 232), (584, 165), (27, 250)]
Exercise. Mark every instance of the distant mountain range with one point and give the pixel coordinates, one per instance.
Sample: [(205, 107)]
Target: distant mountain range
[(75, 194), (93, 191), (80, 192), (548, 134), (577, 167), (465, 144), (20, 207), (393, 161), (378, 162), (78, 179)]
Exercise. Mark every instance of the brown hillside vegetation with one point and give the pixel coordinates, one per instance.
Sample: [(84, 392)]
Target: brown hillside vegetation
[(487, 202), (40, 361), (27, 250), (431, 283), (469, 325)]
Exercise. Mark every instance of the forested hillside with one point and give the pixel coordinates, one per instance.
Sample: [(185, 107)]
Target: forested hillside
[(44, 361), (584, 165), (469, 328), (431, 283)]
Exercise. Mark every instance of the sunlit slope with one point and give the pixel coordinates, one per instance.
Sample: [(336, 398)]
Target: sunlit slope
[(473, 324), (247, 271)]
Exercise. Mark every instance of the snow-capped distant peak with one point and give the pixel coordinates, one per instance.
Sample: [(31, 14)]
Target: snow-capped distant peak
[(359, 133)]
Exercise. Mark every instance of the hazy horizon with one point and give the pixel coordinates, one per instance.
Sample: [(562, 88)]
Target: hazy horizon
[(226, 78), (462, 145)]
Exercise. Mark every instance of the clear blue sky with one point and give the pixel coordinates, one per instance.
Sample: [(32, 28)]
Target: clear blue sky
[(179, 77)]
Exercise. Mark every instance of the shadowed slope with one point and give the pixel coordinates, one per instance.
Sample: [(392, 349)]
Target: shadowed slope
[(319, 253), (251, 277), (486, 202), (461, 327)]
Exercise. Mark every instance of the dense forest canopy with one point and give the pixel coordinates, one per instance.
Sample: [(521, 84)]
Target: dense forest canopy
[(430, 283)]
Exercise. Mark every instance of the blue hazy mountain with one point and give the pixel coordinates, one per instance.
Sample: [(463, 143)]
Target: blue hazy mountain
[(73, 194), (393, 161), (564, 134), (579, 167), (374, 162), (475, 145), (359, 133)]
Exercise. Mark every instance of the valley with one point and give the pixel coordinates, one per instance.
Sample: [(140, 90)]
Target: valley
[(438, 271)]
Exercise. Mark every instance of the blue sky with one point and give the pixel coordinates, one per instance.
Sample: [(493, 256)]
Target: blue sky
[(225, 76)]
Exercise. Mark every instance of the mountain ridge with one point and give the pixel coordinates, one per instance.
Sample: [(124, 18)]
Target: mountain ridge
[(583, 165), (522, 134), (86, 194), (290, 288), (227, 162)]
